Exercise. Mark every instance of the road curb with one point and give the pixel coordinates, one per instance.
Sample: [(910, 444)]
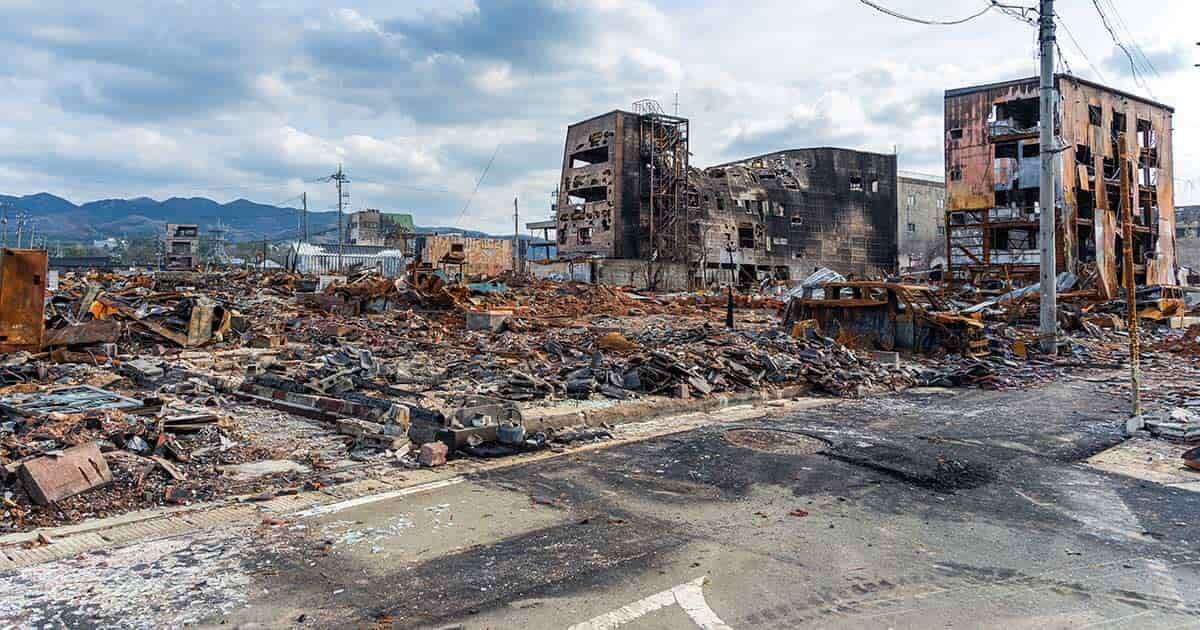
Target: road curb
[(652, 408), (162, 522)]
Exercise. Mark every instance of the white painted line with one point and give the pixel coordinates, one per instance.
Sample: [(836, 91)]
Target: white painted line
[(375, 498), (689, 596)]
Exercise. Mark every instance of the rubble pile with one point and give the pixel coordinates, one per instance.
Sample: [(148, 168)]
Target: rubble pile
[(170, 386)]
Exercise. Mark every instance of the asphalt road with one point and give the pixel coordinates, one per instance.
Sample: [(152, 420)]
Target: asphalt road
[(969, 509), (963, 510)]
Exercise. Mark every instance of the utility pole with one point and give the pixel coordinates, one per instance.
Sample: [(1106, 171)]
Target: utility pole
[(20, 227), (339, 178), (1128, 193), (516, 238), (304, 223), (1047, 231), (4, 223)]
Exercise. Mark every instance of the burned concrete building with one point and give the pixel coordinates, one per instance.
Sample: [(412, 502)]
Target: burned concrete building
[(181, 246), (380, 229), (921, 221), (628, 192), (1187, 239), (993, 182)]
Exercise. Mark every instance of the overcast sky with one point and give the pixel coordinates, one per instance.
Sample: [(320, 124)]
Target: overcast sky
[(257, 99)]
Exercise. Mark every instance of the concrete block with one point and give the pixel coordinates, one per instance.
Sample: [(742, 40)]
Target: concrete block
[(78, 469), (487, 320), (889, 359), (432, 454)]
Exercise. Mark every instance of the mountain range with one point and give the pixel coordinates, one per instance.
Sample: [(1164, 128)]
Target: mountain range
[(59, 218)]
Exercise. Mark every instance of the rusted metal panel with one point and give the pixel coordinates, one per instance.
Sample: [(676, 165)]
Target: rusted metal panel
[(22, 299), (55, 477)]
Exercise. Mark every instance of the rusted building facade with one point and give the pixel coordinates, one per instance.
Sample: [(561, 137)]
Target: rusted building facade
[(473, 256), (993, 175), (628, 192)]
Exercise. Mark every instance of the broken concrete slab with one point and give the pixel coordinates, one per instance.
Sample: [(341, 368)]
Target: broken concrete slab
[(55, 477), (487, 320)]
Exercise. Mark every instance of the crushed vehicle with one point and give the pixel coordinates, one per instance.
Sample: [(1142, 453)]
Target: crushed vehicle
[(886, 315)]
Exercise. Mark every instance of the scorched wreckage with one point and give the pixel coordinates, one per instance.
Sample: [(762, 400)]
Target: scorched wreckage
[(992, 182)]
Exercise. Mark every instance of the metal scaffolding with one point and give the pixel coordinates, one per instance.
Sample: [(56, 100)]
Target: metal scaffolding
[(664, 147)]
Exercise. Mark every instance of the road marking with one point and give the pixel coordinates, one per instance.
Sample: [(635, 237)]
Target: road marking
[(689, 596), (375, 498)]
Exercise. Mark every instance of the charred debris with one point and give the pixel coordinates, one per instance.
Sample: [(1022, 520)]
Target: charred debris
[(151, 388)]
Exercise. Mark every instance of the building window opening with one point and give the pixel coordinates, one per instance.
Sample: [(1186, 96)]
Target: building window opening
[(874, 185), (591, 194), (588, 157), (1030, 150), (856, 183), (1095, 115), (1146, 137), (1018, 115), (912, 228), (746, 237), (956, 174), (456, 248), (585, 236), (956, 133), (1006, 150), (1118, 124), (1083, 154)]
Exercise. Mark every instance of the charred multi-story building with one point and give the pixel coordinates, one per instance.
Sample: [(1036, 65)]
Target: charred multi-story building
[(628, 192), (993, 182), (181, 246)]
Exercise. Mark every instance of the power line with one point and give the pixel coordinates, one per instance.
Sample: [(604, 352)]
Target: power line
[(1082, 53), (926, 22), (1133, 66), (1133, 40), (467, 203)]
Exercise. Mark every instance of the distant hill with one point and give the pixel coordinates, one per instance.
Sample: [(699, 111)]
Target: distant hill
[(142, 216)]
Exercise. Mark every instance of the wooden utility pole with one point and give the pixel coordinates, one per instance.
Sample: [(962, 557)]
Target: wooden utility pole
[(1128, 203), (1047, 233)]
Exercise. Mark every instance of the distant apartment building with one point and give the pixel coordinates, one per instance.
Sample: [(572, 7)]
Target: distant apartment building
[(181, 246), (921, 221), (380, 229), (993, 182), (1187, 237)]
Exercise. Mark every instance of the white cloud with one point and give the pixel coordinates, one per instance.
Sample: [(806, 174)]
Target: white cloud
[(103, 100)]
